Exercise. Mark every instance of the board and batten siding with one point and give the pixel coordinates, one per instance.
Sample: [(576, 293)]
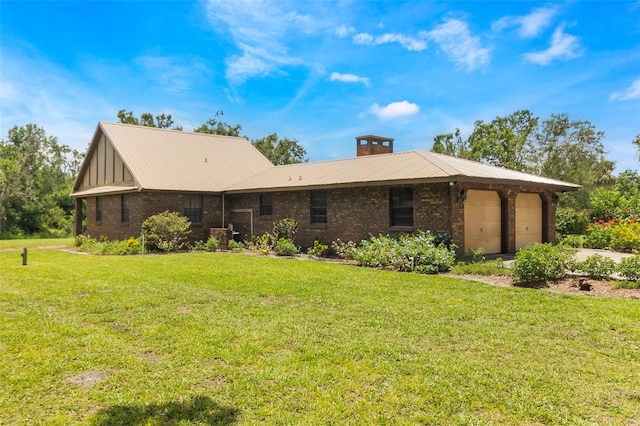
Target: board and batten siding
[(105, 167)]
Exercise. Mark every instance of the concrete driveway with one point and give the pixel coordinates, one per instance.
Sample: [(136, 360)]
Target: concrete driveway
[(584, 253)]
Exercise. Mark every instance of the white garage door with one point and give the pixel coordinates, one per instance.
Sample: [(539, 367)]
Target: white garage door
[(482, 221), (528, 219)]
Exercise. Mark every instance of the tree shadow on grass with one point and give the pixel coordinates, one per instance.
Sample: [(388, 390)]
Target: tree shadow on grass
[(199, 410)]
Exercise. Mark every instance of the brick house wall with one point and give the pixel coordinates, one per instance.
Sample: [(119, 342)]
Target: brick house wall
[(354, 214), (145, 204)]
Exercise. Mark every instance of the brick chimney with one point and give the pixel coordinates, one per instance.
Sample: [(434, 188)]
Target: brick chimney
[(373, 145)]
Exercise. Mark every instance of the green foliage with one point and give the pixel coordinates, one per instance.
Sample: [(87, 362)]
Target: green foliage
[(210, 245), (285, 247), (474, 255), (318, 249), (36, 177), (420, 253), (570, 221), (597, 267), (236, 245), (490, 267), (541, 262), (281, 151), (625, 237), (576, 241), (629, 268), (166, 231), (215, 126), (285, 228), (147, 119), (105, 247), (618, 234)]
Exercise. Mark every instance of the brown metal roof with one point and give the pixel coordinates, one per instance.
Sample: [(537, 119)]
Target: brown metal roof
[(171, 160), (404, 167)]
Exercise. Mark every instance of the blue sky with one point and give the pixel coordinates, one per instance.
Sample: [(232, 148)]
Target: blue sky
[(322, 72)]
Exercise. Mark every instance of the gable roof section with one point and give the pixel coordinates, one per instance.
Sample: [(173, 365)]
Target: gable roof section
[(171, 160), (398, 168)]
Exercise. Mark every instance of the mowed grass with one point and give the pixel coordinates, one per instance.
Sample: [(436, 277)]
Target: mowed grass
[(222, 338), (35, 242)]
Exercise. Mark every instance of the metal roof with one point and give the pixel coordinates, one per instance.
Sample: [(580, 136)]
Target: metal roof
[(172, 160), (404, 167)]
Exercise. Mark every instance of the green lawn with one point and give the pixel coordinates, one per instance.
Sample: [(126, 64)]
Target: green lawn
[(35, 242), (220, 338)]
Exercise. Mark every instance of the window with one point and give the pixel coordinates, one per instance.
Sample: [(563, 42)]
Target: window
[(401, 206), (266, 205), (318, 207), (193, 208), (124, 208), (98, 209)]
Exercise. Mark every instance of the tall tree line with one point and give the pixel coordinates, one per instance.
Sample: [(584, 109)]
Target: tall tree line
[(557, 147), (36, 176)]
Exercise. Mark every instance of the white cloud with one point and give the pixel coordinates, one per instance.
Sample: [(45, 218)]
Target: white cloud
[(349, 78), (173, 74), (563, 46), (409, 43), (631, 92), (529, 25), (456, 41), (259, 30), (394, 110), (343, 31)]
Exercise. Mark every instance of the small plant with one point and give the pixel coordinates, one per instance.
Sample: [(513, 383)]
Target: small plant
[(210, 245), (541, 262), (285, 228), (166, 231), (492, 267), (629, 268), (344, 250), (625, 237), (236, 245), (576, 241), (597, 267), (318, 249), (474, 255), (285, 247)]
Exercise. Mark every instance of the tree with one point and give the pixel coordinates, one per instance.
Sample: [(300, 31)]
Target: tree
[(214, 126), (36, 175), (161, 121), (559, 148), (636, 142), (281, 151)]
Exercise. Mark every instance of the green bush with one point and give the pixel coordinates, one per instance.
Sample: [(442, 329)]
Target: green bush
[(541, 262), (629, 268), (598, 235), (625, 237), (491, 267), (318, 249), (285, 247), (285, 228), (570, 221), (423, 253), (576, 241), (210, 245), (474, 255), (597, 267), (236, 245), (104, 246), (166, 231)]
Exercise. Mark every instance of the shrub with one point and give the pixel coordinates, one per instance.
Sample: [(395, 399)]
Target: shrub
[(104, 246), (210, 245), (474, 255), (576, 241), (625, 236), (285, 228), (166, 231), (598, 235), (262, 244), (419, 253), (236, 245), (318, 249), (542, 262), (491, 267), (629, 268), (570, 221), (285, 247), (597, 267)]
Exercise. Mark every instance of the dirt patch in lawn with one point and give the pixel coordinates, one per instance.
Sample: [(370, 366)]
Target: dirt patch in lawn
[(88, 379)]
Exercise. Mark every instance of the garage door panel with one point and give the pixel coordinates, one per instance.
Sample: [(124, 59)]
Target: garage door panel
[(528, 219), (483, 223)]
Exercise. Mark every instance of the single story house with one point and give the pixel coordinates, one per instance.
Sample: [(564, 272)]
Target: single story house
[(219, 182)]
